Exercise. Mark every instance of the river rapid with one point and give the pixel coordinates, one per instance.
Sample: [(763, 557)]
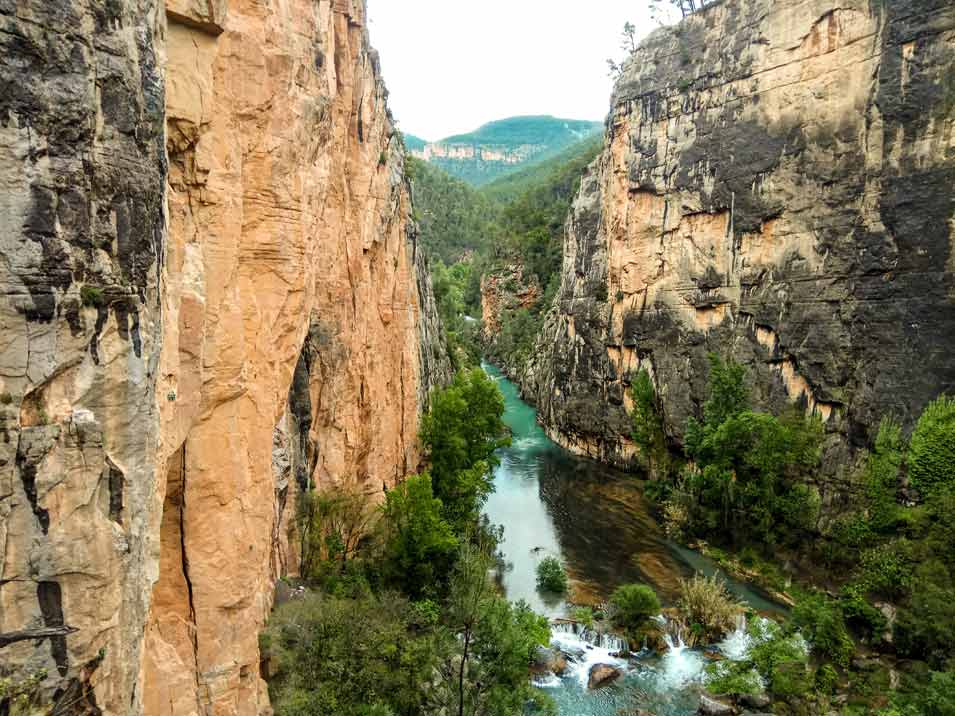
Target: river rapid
[(596, 521)]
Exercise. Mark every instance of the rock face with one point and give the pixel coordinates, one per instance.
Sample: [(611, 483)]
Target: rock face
[(776, 186), (212, 300), (601, 675), (503, 290)]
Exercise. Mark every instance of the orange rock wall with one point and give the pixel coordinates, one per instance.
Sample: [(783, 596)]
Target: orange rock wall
[(221, 304)]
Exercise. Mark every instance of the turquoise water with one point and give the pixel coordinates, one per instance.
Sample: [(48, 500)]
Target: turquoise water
[(597, 522)]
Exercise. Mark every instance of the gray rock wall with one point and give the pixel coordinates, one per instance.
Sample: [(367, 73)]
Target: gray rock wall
[(778, 185)]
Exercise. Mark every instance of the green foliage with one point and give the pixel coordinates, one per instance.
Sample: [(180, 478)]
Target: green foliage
[(648, 431), (20, 694), (750, 473), (882, 475), (451, 286), (419, 546), (926, 624), (886, 569), (932, 448), (551, 576), (778, 658), (92, 296), (826, 679), (708, 606), (781, 658), (583, 615), (454, 218), (821, 621), (461, 431), (633, 604), (331, 525), (354, 657), (732, 678)]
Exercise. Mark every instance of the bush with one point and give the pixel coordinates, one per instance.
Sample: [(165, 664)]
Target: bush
[(461, 432), (826, 679), (584, 616), (551, 576), (821, 622), (92, 296), (931, 458), (733, 678), (634, 604), (708, 606), (781, 658), (419, 546)]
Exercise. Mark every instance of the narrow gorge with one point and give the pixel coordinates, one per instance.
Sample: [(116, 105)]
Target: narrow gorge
[(304, 415)]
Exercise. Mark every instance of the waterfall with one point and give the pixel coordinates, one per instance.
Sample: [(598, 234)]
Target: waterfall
[(737, 643), (584, 648)]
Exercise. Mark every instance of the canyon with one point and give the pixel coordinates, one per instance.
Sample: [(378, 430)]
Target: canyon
[(212, 299), (775, 186)]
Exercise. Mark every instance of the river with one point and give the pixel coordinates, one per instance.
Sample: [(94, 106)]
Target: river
[(596, 521)]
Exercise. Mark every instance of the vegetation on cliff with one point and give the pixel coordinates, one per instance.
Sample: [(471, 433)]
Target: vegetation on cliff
[(398, 616), (888, 562)]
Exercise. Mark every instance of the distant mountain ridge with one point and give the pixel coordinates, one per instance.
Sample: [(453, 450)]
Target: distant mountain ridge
[(502, 147)]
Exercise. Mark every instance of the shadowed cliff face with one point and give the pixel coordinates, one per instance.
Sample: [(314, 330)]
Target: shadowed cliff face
[(212, 299), (775, 186)]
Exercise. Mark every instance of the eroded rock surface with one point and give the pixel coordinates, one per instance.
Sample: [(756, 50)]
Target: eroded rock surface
[(212, 300), (776, 186)]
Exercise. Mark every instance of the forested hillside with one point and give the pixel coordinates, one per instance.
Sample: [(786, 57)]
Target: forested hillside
[(515, 223)]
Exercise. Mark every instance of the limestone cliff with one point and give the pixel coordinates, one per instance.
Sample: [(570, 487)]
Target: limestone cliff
[(504, 290), (212, 299), (776, 185)]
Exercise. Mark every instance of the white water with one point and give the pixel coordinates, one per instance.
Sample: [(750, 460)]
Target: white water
[(584, 649), (680, 666), (737, 644)]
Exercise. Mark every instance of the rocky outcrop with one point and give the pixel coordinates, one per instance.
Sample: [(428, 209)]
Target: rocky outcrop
[(776, 186), (212, 300), (505, 289)]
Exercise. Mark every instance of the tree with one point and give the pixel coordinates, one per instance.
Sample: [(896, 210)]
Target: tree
[(331, 525), (461, 432), (648, 431), (492, 644), (551, 576), (419, 546), (931, 458)]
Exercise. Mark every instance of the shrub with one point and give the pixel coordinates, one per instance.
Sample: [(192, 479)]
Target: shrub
[(733, 678), (887, 569), (634, 604), (92, 296), (707, 605), (780, 657), (461, 432), (419, 546), (551, 576), (821, 621), (826, 679), (584, 615), (648, 432), (931, 457)]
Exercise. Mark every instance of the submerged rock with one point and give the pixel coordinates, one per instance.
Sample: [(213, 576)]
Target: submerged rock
[(601, 675)]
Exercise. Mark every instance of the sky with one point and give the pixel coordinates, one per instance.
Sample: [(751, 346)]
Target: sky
[(452, 65)]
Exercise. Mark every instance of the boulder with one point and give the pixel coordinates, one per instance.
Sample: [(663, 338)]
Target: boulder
[(709, 706), (757, 702), (601, 675)]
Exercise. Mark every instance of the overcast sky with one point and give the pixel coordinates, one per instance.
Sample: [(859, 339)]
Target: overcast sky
[(452, 65)]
